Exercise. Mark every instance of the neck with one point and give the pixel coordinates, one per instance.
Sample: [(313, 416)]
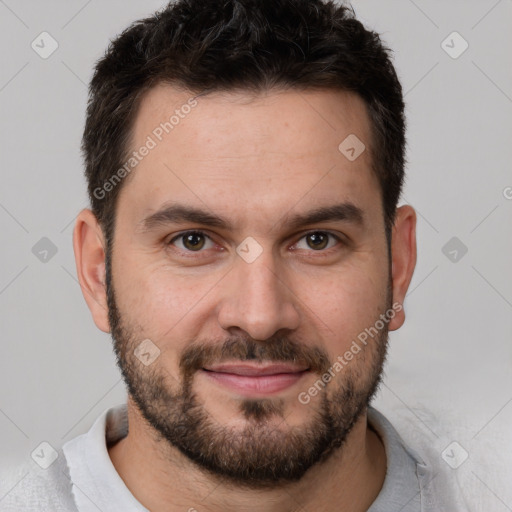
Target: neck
[(163, 479)]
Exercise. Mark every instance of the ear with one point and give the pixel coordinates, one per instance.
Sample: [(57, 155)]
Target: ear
[(89, 248), (403, 258)]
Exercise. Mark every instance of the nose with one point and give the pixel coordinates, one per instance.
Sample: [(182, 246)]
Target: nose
[(257, 300)]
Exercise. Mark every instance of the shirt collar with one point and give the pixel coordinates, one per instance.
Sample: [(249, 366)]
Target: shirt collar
[(96, 482)]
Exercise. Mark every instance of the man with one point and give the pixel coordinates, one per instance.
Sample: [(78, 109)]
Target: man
[(245, 250)]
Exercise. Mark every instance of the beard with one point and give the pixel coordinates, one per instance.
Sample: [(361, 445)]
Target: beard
[(262, 454)]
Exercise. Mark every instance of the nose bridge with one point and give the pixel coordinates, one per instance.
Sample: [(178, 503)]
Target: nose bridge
[(259, 302), (259, 279)]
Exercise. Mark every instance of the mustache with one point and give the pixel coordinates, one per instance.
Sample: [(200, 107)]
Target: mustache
[(198, 355)]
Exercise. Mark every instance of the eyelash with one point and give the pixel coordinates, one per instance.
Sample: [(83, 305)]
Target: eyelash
[(199, 232)]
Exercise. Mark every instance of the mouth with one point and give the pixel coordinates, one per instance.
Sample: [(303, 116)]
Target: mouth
[(251, 379)]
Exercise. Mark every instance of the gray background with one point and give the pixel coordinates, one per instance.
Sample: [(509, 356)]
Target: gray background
[(449, 373)]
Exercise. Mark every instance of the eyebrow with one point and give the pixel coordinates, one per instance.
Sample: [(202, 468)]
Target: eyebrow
[(179, 213)]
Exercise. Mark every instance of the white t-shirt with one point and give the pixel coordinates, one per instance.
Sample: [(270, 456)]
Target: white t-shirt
[(83, 478)]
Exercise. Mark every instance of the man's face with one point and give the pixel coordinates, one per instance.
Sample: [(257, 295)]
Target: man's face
[(257, 290)]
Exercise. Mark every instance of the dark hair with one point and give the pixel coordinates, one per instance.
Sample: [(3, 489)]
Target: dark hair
[(251, 45)]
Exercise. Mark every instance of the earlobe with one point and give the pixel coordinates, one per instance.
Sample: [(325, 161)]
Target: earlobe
[(403, 254), (89, 249)]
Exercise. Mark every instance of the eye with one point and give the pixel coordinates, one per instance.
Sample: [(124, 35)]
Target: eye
[(318, 240), (192, 241), (195, 241)]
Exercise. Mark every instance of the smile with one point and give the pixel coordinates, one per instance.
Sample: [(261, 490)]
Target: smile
[(255, 379)]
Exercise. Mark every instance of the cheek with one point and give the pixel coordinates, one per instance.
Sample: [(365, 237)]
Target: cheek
[(155, 299), (347, 302)]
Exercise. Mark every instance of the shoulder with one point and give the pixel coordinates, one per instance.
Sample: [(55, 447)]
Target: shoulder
[(439, 461), (26, 487)]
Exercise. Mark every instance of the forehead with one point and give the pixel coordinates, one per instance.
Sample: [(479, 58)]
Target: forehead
[(235, 151)]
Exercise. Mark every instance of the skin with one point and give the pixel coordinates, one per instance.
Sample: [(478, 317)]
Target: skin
[(255, 161)]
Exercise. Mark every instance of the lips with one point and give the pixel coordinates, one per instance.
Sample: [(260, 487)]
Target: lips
[(252, 379), (254, 370)]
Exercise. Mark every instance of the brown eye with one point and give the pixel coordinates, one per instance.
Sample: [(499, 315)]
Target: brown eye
[(318, 240), (192, 241)]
